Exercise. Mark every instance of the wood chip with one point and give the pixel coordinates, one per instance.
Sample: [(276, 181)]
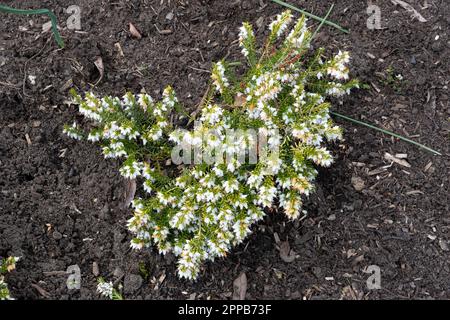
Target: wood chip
[(134, 32), (68, 84), (27, 137), (378, 171), (286, 254), (276, 237), (162, 278), (401, 155), (95, 270), (410, 9), (358, 183), (401, 162), (413, 192), (375, 87), (119, 49)]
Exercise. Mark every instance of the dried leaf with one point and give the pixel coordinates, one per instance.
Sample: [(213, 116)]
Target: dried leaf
[(101, 69), (46, 27), (240, 287), (286, 254), (239, 100), (410, 9), (134, 32)]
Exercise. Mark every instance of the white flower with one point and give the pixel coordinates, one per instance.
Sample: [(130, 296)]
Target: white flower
[(230, 185), (73, 132), (106, 289), (338, 68), (281, 22), (94, 136), (218, 77), (266, 196), (131, 171)]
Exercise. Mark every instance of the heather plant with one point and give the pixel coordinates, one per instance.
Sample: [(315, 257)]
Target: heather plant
[(256, 142), (6, 265)]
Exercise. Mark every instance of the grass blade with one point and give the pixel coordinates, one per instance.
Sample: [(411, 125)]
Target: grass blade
[(386, 132), (332, 24), (322, 22), (47, 12)]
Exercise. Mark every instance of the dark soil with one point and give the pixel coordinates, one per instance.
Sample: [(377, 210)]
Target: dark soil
[(59, 199)]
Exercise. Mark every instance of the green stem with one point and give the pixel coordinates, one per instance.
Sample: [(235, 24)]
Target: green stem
[(322, 22), (47, 12), (386, 132), (332, 24)]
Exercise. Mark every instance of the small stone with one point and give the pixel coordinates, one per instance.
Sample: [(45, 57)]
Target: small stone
[(246, 5), (169, 16), (443, 244), (57, 235), (358, 183), (104, 213), (118, 273), (95, 270), (132, 283), (436, 47)]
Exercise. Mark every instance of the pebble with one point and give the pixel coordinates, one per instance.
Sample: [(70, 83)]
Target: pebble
[(118, 273), (169, 16), (95, 270), (104, 213), (57, 235), (436, 47), (132, 283)]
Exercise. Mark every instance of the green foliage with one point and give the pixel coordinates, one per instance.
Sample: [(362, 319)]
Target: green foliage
[(6, 265)]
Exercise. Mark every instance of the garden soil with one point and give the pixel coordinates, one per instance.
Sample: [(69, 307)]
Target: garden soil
[(61, 202)]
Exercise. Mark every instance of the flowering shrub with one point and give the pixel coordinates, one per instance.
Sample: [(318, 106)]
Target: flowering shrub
[(6, 265), (256, 140)]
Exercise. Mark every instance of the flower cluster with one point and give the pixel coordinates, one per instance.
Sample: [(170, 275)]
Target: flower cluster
[(219, 78), (6, 265), (107, 290), (258, 149)]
